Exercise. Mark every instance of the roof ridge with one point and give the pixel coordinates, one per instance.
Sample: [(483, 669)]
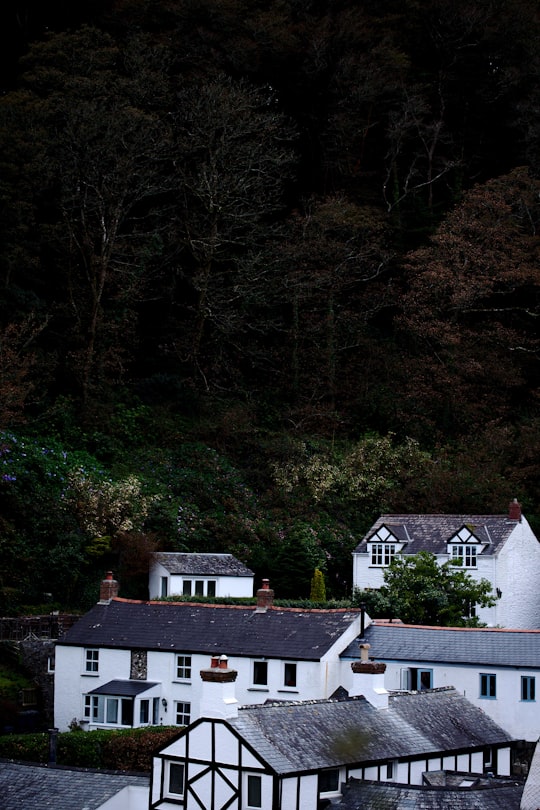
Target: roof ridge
[(284, 704), (253, 606), (385, 623)]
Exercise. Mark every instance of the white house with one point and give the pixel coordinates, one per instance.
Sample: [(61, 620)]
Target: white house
[(497, 670), (130, 663), (297, 755), (198, 574), (500, 548)]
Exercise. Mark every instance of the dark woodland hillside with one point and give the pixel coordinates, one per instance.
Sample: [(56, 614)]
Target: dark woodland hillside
[(266, 270)]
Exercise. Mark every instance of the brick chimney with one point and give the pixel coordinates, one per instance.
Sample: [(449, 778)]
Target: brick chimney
[(514, 510), (218, 691), (109, 588), (265, 597), (368, 679)]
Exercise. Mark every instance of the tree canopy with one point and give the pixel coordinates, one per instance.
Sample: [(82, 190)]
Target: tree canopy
[(266, 271)]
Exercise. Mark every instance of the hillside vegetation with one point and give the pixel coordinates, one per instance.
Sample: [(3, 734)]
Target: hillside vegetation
[(266, 271)]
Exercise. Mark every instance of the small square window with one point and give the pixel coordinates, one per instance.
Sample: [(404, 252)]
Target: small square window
[(186, 587), (199, 587), (92, 661), (183, 713), (329, 781), (260, 673), (183, 667), (488, 685), (211, 587)]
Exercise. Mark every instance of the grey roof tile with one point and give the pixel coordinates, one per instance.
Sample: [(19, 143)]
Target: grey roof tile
[(432, 532), (499, 794), (123, 688), (203, 628), (456, 645), (29, 787), (202, 564), (531, 793), (323, 734)]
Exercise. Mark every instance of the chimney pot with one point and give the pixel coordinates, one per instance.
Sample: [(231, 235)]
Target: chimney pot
[(514, 511), (109, 588), (364, 653), (265, 596), (223, 662), (214, 662)]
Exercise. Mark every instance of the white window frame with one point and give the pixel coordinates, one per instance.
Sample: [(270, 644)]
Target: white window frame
[(184, 668), (323, 794), (253, 779), (382, 554), (287, 665), (260, 684), (464, 555), (91, 661), (182, 709), (167, 784)]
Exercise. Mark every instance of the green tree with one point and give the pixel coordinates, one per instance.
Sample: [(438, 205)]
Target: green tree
[(318, 588), (418, 590), (470, 313), (98, 151)]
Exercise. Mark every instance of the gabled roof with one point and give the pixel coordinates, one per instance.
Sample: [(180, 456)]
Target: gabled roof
[(202, 564), (485, 794), (393, 641), (25, 786), (433, 532), (203, 628), (310, 735)]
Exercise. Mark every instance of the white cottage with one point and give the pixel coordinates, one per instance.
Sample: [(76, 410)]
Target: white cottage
[(298, 755), (129, 663), (500, 548), (497, 670), (186, 574)]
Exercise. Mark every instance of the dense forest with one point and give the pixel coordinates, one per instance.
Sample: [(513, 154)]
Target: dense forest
[(266, 270)]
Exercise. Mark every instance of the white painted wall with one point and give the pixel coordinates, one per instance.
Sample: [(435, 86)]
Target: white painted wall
[(130, 798), (521, 719), (315, 680)]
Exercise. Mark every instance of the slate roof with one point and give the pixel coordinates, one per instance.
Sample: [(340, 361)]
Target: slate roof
[(202, 564), (432, 532), (123, 688), (309, 735), (25, 787), (493, 794), (214, 629), (451, 645), (531, 793)]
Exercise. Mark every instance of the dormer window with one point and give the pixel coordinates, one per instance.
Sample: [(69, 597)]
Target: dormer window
[(464, 555), (382, 553), (463, 548)]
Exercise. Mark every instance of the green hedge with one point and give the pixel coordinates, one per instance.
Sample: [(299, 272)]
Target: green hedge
[(123, 750)]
